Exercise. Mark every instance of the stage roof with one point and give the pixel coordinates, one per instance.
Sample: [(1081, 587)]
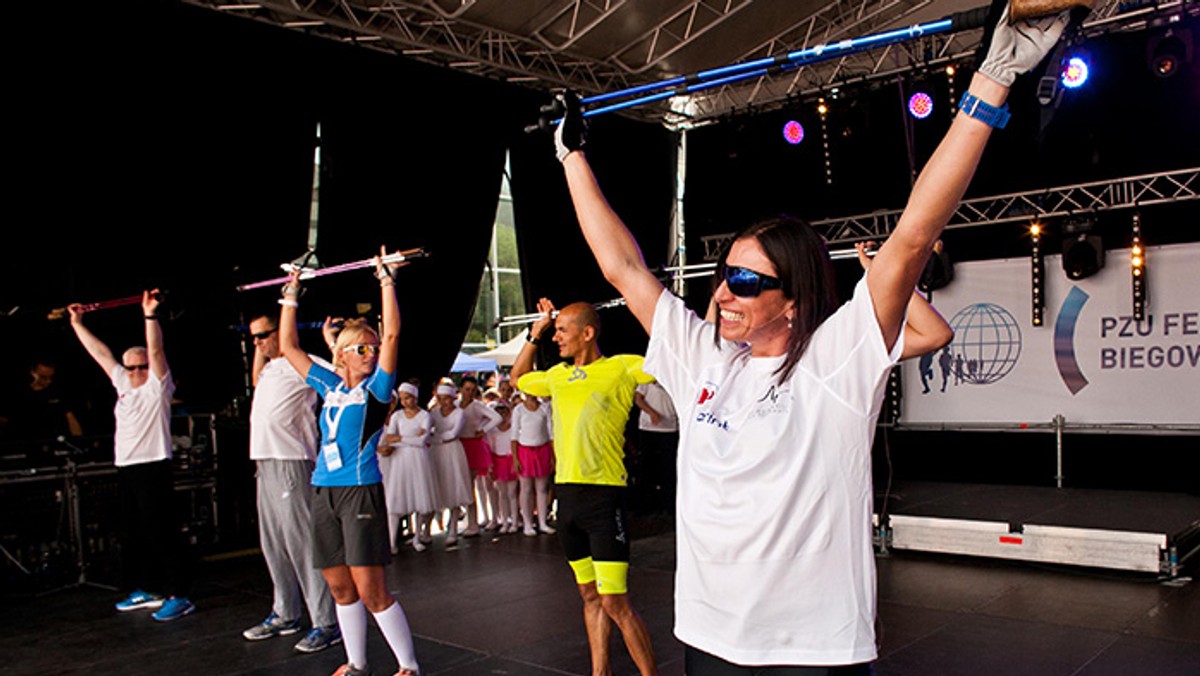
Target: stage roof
[(598, 46)]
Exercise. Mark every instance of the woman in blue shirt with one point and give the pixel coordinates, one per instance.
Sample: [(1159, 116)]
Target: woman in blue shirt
[(350, 538)]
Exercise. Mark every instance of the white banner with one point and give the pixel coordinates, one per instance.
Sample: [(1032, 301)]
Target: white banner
[(1089, 361)]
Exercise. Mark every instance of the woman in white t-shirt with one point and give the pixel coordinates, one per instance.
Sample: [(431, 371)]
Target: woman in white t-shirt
[(407, 470), (778, 401)]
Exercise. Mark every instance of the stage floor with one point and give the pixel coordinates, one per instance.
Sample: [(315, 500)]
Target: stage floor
[(1135, 511), (508, 605)]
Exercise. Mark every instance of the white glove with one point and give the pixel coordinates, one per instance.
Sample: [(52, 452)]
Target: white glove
[(1018, 48)]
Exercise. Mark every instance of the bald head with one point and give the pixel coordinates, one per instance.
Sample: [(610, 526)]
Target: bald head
[(582, 315), (575, 331)]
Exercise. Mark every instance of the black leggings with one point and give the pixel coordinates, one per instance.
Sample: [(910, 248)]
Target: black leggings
[(699, 663)]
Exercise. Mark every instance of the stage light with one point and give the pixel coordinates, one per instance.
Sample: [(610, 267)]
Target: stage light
[(823, 109), (1167, 53), (1076, 72), (1037, 273), (1137, 268), (1083, 254), (793, 132), (920, 105), (950, 70)]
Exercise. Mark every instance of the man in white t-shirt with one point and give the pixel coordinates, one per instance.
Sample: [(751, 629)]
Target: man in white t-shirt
[(153, 564), (283, 444), (658, 443)]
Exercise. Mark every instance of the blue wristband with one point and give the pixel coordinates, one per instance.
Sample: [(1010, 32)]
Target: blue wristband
[(984, 112)]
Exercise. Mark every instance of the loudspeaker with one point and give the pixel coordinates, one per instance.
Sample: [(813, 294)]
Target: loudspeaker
[(1083, 256)]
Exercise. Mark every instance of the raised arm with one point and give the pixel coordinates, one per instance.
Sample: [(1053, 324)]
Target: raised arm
[(94, 346), (616, 251), (1014, 49), (289, 335), (389, 348), (537, 333), (154, 338)]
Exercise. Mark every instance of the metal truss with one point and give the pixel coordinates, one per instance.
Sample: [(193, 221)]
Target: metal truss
[(433, 32), (847, 18), (1072, 200), (485, 39)]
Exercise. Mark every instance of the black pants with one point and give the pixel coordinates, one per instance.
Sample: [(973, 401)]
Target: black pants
[(656, 464), (152, 556), (699, 663)]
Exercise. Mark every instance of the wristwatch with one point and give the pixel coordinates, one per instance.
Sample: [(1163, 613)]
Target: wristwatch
[(984, 112)]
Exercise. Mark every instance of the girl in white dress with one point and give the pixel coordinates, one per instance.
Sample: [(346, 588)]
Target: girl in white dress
[(450, 471), (408, 481)]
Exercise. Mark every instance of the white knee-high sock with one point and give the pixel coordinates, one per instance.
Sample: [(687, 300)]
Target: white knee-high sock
[(353, 621), (394, 625)]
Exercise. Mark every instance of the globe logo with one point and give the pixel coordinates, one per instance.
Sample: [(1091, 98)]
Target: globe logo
[(987, 343)]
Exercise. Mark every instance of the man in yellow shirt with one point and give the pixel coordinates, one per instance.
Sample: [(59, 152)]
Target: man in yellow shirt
[(591, 398)]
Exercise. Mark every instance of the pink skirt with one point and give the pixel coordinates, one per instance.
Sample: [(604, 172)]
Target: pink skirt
[(536, 461), (502, 468), (479, 455)]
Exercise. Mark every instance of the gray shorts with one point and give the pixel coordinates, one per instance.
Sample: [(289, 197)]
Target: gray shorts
[(349, 526)]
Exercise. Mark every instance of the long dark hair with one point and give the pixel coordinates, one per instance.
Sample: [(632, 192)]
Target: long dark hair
[(802, 264)]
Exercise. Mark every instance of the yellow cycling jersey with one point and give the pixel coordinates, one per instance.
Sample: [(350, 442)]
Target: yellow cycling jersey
[(591, 405)]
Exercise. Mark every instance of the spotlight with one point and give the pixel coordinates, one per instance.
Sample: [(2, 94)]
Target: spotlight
[(1167, 53), (950, 70), (1083, 255), (793, 132), (920, 105), (1137, 268), (1075, 73), (822, 108), (1037, 272)]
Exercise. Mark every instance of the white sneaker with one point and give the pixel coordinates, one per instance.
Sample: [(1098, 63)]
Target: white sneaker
[(418, 545), (548, 530), (531, 532)]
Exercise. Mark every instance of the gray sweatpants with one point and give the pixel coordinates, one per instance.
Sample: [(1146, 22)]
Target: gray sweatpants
[(285, 529)]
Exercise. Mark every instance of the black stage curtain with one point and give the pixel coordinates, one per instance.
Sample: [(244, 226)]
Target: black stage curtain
[(158, 144), (634, 163)]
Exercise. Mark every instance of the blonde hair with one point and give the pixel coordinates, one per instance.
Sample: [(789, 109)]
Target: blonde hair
[(352, 333)]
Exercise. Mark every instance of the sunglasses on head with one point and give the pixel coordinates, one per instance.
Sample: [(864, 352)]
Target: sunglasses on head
[(361, 349), (137, 367), (262, 335), (748, 283)]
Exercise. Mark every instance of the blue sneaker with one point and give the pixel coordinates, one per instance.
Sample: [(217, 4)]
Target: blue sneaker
[(319, 638), (174, 608), (274, 625), (138, 600)]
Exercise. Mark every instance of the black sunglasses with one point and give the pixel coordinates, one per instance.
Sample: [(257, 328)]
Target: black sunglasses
[(748, 283), (137, 367), (262, 335)]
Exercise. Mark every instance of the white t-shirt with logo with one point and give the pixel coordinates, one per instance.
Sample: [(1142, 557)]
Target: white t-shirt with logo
[(143, 418), (774, 547), (283, 419)]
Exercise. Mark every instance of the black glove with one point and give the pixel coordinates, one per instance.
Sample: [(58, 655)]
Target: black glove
[(571, 132)]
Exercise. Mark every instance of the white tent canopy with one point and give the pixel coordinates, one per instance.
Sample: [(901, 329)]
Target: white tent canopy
[(472, 362), (506, 353)]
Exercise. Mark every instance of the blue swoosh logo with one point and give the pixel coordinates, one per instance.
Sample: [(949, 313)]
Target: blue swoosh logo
[(1064, 340)]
